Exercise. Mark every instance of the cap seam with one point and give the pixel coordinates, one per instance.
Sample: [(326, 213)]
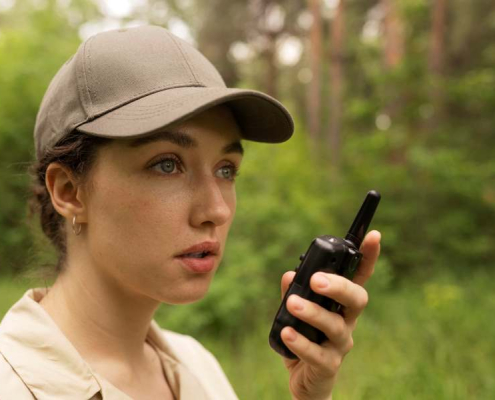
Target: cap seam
[(160, 110), (80, 76), (163, 109), (185, 58), (85, 73), (157, 105), (138, 96)]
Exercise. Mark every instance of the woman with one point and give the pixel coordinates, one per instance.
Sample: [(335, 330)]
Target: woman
[(138, 142)]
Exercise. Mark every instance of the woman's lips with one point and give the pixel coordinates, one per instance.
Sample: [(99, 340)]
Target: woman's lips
[(198, 265), (204, 247), (200, 258)]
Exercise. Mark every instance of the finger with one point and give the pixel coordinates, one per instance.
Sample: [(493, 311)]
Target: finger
[(352, 296), (331, 324), (324, 357), (371, 250), (286, 281)]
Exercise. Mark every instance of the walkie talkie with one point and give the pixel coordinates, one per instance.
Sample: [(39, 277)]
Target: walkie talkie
[(328, 254)]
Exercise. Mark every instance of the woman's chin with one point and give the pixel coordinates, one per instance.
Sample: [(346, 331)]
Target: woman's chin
[(186, 299), (185, 295)]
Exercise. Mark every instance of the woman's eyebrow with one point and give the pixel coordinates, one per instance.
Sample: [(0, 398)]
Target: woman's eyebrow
[(179, 138), (235, 147), (183, 140)]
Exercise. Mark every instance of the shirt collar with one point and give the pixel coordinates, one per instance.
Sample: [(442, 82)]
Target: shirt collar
[(51, 366), (40, 353)]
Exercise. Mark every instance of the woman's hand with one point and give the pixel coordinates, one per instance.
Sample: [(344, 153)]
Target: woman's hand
[(312, 377)]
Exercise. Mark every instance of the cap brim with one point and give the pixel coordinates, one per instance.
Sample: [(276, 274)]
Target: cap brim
[(260, 117)]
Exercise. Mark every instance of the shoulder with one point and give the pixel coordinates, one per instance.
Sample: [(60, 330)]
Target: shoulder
[(185, 346), (200, 361), (191, 352), (12, 386)]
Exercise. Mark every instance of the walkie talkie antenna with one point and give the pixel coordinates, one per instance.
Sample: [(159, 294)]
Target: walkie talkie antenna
[(363, 218)]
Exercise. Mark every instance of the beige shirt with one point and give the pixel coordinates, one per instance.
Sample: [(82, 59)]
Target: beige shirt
[(38, 362)]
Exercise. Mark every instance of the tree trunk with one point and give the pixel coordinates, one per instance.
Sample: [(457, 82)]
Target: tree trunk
[(336, 84), (436, 58), (394, 35), (314, 93), (264, 26), (393, 54), (437, 36), (271, 77)]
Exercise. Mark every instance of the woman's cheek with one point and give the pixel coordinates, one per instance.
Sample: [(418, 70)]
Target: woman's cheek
[(138, 217), (158, 213), (230, 199)]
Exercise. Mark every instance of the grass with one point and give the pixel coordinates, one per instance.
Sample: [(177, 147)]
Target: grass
[(433, 340)]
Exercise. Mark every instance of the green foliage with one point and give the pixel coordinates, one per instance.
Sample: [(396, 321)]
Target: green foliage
[(434, 167), (417, 341), (32, 47), (433, 180)]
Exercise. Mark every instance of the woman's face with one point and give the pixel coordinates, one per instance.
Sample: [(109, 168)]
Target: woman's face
[(151, 200)]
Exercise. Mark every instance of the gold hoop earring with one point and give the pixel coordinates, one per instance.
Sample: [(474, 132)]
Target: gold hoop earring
[(77, 230)]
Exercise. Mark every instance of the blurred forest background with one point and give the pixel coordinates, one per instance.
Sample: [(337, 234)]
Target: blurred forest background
[(397, 96)]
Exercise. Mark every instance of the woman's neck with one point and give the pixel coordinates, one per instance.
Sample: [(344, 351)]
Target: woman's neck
[(104, 321)]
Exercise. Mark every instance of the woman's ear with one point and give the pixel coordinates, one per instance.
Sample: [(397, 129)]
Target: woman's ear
[(65, 192)]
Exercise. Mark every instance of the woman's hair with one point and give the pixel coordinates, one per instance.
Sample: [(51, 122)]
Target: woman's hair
[(77, 151)]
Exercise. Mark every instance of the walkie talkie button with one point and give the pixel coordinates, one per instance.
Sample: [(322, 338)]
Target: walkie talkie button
[(301, 257)]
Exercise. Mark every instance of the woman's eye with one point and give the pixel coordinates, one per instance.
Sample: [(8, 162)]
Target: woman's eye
[(228, 172), (167, 165)]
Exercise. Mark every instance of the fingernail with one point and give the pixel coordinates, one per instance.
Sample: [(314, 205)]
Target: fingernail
[(377, 233), (321, 281)]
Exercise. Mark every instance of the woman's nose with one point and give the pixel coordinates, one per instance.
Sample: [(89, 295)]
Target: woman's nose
[(210, 204)]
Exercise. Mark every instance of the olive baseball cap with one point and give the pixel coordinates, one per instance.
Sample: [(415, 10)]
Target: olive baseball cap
[(132, 82)]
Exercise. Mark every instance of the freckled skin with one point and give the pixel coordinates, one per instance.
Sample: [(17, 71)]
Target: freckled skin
[(139, 218)]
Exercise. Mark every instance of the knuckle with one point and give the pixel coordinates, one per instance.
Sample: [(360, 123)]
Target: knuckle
[(339, 327), (334, 365), (321, 359), (313, 312), (306, 346)]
